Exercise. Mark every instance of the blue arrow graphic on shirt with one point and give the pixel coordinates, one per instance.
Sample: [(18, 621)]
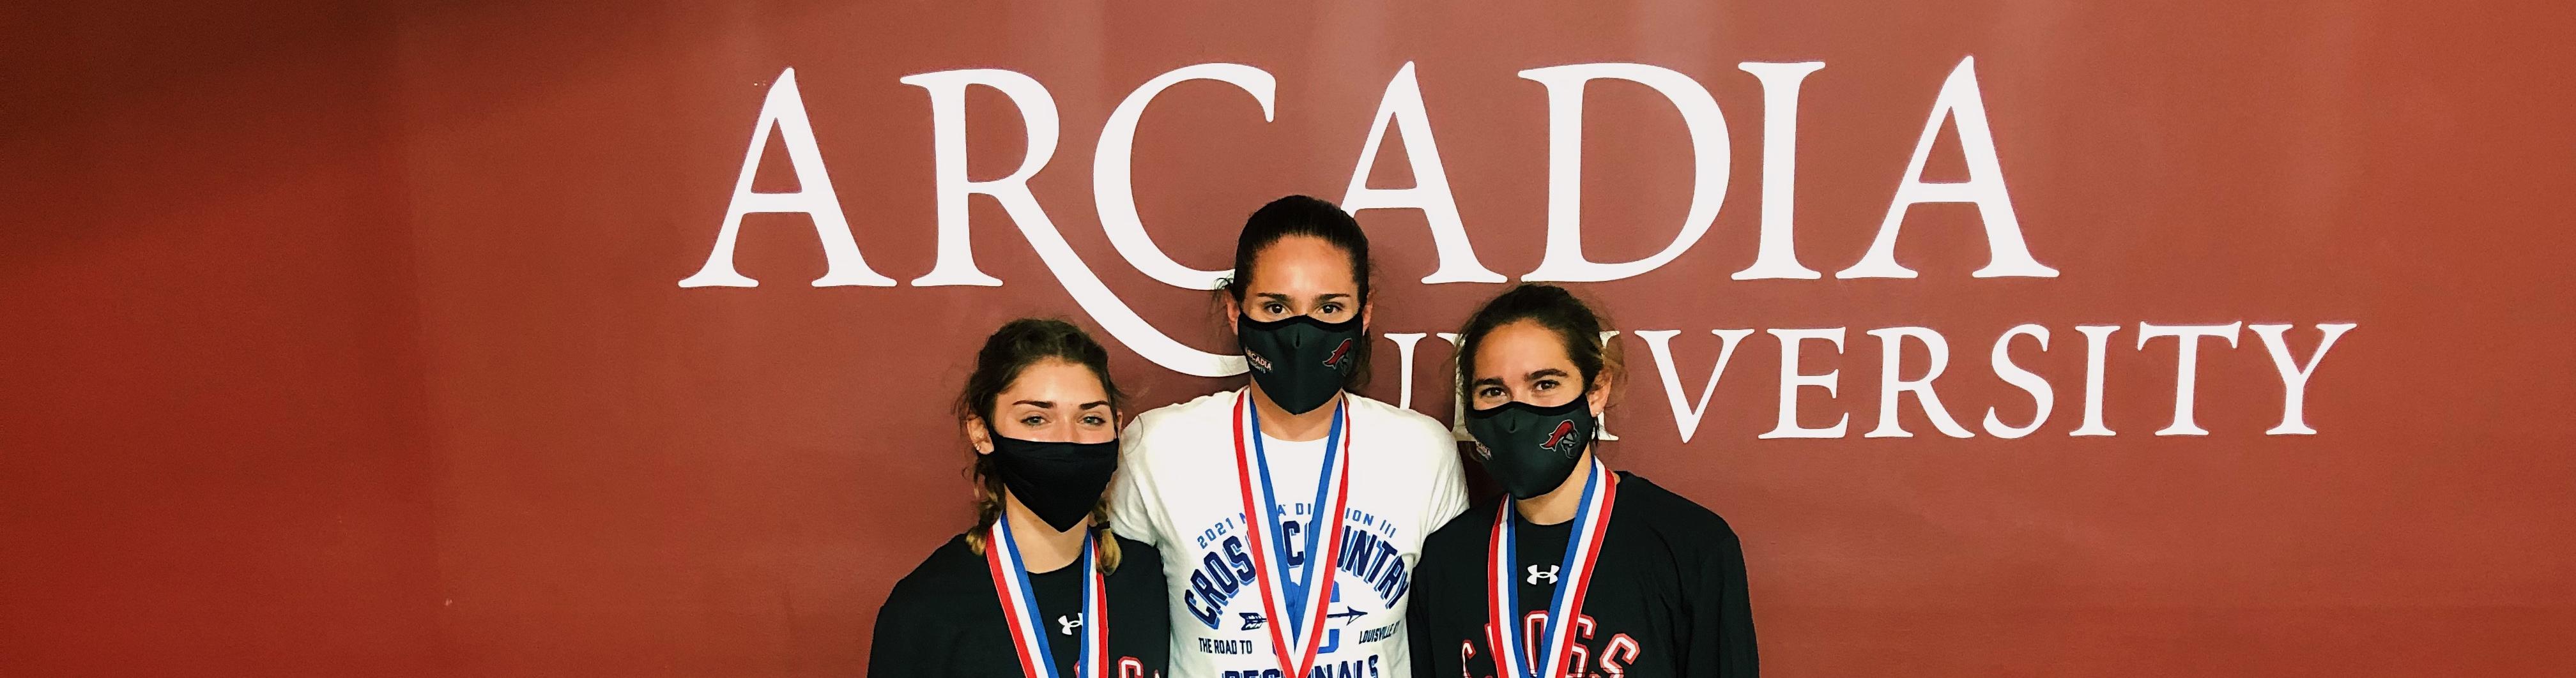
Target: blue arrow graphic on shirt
[(1254, 620)]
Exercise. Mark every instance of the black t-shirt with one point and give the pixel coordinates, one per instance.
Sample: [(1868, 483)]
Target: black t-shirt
[(945, 619), (1667, 595)]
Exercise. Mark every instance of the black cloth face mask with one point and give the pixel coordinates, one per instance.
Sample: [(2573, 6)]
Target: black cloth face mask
[(1060, 482), (1300, 361), (1530, 449)]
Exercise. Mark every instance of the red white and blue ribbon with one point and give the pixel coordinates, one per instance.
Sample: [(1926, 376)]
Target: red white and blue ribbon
[(1299, 600), (1512, 655), (1020, 606)]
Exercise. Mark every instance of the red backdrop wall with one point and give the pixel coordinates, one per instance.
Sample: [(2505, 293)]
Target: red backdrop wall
[(346, 340)]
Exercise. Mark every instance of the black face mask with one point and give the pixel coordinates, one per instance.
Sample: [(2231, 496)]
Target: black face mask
[(1060, 482), (1531, 449), (1300, 361)]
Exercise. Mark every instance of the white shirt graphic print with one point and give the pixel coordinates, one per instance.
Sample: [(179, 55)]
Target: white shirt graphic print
[(1178, 490)]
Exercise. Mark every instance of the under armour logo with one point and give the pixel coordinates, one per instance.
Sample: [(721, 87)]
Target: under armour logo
[(1549, 575), (1066, 624)]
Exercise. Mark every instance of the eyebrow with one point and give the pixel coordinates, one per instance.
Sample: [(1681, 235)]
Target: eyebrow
[(1274, 296), (1532, 376), (1049, 404)]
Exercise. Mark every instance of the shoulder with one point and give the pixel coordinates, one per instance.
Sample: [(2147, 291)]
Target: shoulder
[(1400, 427), (1192, 419), (1137, 593), (1674, 517), (951, 572), (1465, 534), (1142, 558)]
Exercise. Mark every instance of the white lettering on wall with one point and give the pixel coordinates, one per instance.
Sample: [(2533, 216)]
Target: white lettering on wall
[(2042, 396), (1686, 415), (956, 263), (2186, 366), (1959, 101), (1791, 381), (2097, 343), (1402, 107), (1401, 111), (784, 109), (2294, 376), (1777, 256), (1404, 343), (1891, 342), (1457, 396), (1113, 191), (1711, 149)]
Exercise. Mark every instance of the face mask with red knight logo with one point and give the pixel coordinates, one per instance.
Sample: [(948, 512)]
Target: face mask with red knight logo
[(1531, 449), (1300, 362)]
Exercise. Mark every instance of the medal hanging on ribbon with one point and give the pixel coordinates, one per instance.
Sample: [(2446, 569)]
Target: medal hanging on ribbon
[(1295, 606), (1028, 625), (1505, 632)]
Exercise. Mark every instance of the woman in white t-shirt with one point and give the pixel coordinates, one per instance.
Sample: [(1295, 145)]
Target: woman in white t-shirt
[(1290, 512)]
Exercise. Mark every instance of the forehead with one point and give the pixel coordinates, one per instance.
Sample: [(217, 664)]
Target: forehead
[(1055, 380), (1518, 348), (1302, 265)]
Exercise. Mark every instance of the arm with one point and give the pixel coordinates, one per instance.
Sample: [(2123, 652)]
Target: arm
[(1448, 486), (1721, 635), (903, 646), (1157, 656), (1133, 512), (1425, 644)]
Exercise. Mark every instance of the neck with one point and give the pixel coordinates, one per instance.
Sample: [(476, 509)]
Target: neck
[(1276, 422), (1559, 504), (1042, 548)]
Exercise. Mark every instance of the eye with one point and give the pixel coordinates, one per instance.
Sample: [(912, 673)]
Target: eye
[(1275, 308), (1033, 421), (1489, 392), (1094, 420), (1331, 307), (1546, 384)]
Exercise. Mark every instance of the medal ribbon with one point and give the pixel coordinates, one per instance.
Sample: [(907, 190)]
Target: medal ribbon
[(1591, 522), (1295, 606), (1020, 606)]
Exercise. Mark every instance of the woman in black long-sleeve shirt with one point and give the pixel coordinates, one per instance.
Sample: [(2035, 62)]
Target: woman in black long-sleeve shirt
[(1577, 571), (1040, 587)]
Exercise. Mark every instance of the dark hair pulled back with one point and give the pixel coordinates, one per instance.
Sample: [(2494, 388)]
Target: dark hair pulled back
[(1300, 215), (1553, 308)]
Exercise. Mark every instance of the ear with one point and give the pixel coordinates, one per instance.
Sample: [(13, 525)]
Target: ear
[(979, 436), (1599, 396), (1365, 308), (1233, 312)]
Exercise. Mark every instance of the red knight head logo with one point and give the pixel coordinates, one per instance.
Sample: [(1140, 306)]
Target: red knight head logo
[(1562, 440), (1341, 355)]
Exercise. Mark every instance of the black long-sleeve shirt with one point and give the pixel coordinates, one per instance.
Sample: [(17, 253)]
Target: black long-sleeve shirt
[(1667, 595), (945, 619)]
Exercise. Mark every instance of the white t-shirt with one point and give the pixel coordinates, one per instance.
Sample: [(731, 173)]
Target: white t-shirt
[(1177, 489)]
